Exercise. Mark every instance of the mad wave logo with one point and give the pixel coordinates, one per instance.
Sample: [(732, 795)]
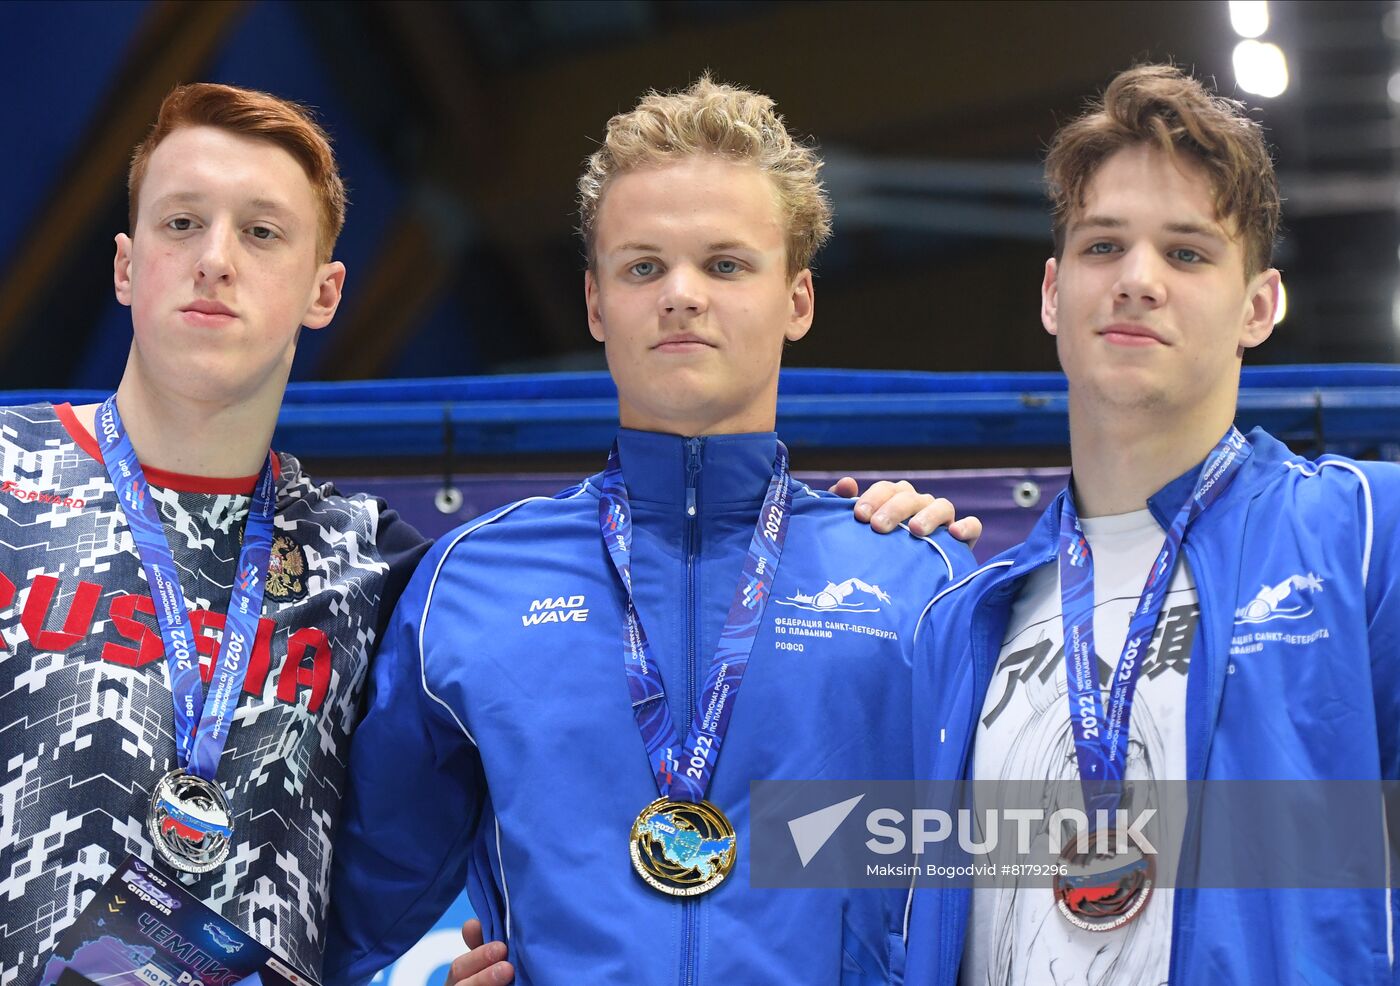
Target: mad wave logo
[(851, 596), (559, 609), (1291, 599)]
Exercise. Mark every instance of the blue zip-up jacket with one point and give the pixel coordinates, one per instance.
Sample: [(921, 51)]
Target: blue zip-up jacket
[(1327, 709), (500, 749)]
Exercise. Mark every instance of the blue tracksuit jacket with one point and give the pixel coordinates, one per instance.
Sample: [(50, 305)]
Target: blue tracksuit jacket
[(500, 750), (1327, 709)]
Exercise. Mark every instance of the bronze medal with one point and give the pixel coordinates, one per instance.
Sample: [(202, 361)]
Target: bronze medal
[(1103, 891)]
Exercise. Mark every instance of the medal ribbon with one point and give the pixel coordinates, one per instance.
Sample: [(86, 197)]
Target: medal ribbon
[(1101, 742), (692, 778), (197, 749)]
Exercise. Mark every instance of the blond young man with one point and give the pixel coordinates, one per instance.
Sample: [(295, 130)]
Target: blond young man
[(558, 664), (1264, 645), (236, 204)]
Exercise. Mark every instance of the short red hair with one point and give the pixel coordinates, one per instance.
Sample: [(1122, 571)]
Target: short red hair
[(262, 116)]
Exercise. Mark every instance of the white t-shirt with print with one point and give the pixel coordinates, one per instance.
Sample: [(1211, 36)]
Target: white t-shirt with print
[(1016, 935)]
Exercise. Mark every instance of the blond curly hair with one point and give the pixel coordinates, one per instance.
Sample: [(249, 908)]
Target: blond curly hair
[(713, 118)]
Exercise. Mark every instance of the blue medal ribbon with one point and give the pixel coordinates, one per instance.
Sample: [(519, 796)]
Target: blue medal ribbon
[(1101, 741), (697, 760), (198, 748)]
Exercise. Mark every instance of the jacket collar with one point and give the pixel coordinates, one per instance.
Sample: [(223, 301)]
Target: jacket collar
[(1262, 467), (733, 469)]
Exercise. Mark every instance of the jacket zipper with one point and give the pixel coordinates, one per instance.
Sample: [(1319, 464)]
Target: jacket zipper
[(1199, 730), (952, 936), (693, 449)]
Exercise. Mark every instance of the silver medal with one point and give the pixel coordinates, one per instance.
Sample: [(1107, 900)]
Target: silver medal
[(190, 822)]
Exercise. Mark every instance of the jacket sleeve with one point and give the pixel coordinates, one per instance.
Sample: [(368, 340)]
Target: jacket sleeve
[(954, 563), (1382, 580), (1381, 560), (960, 558), (413, 801), (402, 547)]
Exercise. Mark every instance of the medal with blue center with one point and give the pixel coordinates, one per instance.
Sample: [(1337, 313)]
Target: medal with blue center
[(1106, 879), (682, 848), (190, 820), (681, 844)]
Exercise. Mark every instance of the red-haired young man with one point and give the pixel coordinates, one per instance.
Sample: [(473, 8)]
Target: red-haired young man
[(236, 204)]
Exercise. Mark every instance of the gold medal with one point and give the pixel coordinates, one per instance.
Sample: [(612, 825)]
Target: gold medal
[(682, 848)]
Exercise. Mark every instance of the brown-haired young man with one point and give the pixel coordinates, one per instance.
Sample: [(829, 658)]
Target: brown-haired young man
[(1277, 585), (236, 204)]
